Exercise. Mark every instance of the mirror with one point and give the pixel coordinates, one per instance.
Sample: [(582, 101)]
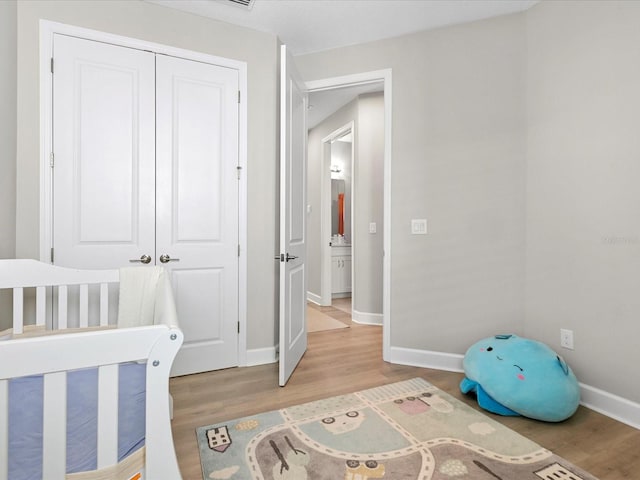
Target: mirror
[(341, 151), (337, 207)]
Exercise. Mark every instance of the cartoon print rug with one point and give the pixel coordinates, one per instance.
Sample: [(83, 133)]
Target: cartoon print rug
[(406, 430)]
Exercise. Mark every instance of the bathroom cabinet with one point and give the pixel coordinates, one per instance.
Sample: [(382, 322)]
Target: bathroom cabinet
[(340, 270)]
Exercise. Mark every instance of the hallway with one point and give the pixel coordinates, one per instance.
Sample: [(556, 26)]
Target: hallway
[(336, 316)]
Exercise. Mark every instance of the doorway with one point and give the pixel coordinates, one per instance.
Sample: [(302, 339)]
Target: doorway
[(321, 237)]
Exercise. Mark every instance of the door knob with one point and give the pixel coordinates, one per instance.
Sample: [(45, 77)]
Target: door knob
[(143, 259), (282, 258), (164, 258)]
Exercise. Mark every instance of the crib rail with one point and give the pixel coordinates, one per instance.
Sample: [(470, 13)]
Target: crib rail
[(53, 356), (22, 274), (104, 348)]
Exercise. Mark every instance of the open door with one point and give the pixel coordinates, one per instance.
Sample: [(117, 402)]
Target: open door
[(293, 198)]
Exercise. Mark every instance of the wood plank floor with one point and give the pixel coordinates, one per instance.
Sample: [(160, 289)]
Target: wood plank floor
[(340, 310), (350, 359)]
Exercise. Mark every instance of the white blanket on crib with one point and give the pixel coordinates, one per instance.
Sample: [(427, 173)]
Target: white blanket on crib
[(146, 297)]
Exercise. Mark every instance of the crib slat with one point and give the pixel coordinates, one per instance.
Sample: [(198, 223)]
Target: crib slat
[(104, 304), (84, 306), (62, 307), (41, 305), (107, 415), (4, 429), (54, 426), (18, 310)]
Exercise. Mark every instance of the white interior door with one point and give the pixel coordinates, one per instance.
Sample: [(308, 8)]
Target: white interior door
[(146, 151), (293, 165), (104, 144), (197, 206)]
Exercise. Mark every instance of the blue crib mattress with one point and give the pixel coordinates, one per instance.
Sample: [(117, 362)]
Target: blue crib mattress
[(25, 420)]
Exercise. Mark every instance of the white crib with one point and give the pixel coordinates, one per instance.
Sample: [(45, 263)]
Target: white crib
[(52, 349)]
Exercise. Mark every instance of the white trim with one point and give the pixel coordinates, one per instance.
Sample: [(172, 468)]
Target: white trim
[(46, 140), (261, 356), (325, 210), (386, 262), (47, 30), (360, 79), (366, 318), (613, 406), (243, 269), (363, 78), (313, 298), (449, 362)]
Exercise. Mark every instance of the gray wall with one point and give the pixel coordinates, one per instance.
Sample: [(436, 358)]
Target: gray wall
[(367, 113), (458, 147), (517, 138), (339, 119), (522, 127), (583, 186), (170, 27), (369, 205), (8, 43)]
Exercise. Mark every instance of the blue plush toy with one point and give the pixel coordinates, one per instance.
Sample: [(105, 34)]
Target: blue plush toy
[(516, 376)]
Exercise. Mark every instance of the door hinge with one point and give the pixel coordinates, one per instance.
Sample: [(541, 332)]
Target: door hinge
[(238, 249), (238, 327), (238, 96), (52, 65), (51, 160), (51, 254), (238, 170)]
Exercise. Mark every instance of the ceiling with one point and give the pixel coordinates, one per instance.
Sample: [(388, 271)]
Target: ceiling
[(325, 102), (307, 26)]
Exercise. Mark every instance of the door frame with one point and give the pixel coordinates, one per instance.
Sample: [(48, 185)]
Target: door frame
[(376, 76), (326, 286), (47, 31)]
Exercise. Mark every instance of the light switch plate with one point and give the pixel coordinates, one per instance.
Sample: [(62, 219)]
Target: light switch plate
[(373, 227), (419, 226)]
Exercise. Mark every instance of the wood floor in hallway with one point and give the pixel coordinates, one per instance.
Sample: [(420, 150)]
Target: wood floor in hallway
[(350, 359)]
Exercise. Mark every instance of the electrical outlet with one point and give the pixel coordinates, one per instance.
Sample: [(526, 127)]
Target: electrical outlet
[(566, 338), (419, 226)]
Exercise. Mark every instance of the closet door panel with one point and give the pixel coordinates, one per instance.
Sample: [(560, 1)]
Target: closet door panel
[(197, 206), (104, 154)]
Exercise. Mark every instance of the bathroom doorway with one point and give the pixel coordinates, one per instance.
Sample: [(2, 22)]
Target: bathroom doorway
[(338, 150), (346, 200)]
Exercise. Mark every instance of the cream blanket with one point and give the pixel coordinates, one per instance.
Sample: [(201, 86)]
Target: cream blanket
[(146, 298)]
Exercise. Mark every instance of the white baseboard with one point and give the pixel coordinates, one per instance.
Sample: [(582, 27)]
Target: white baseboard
[(611, 405), (365, 318), (313, 298), (608, 404), (449, 362), (261, 356)]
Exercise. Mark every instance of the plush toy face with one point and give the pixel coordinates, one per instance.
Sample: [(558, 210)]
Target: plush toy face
[(524, 375)]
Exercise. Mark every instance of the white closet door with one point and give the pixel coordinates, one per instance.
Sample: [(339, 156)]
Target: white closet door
[(104, 144), (197, 206)]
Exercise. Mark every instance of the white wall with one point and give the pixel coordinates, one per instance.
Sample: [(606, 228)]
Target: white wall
[(583, 186), (8, 43), (458, 160), (170, 27)]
